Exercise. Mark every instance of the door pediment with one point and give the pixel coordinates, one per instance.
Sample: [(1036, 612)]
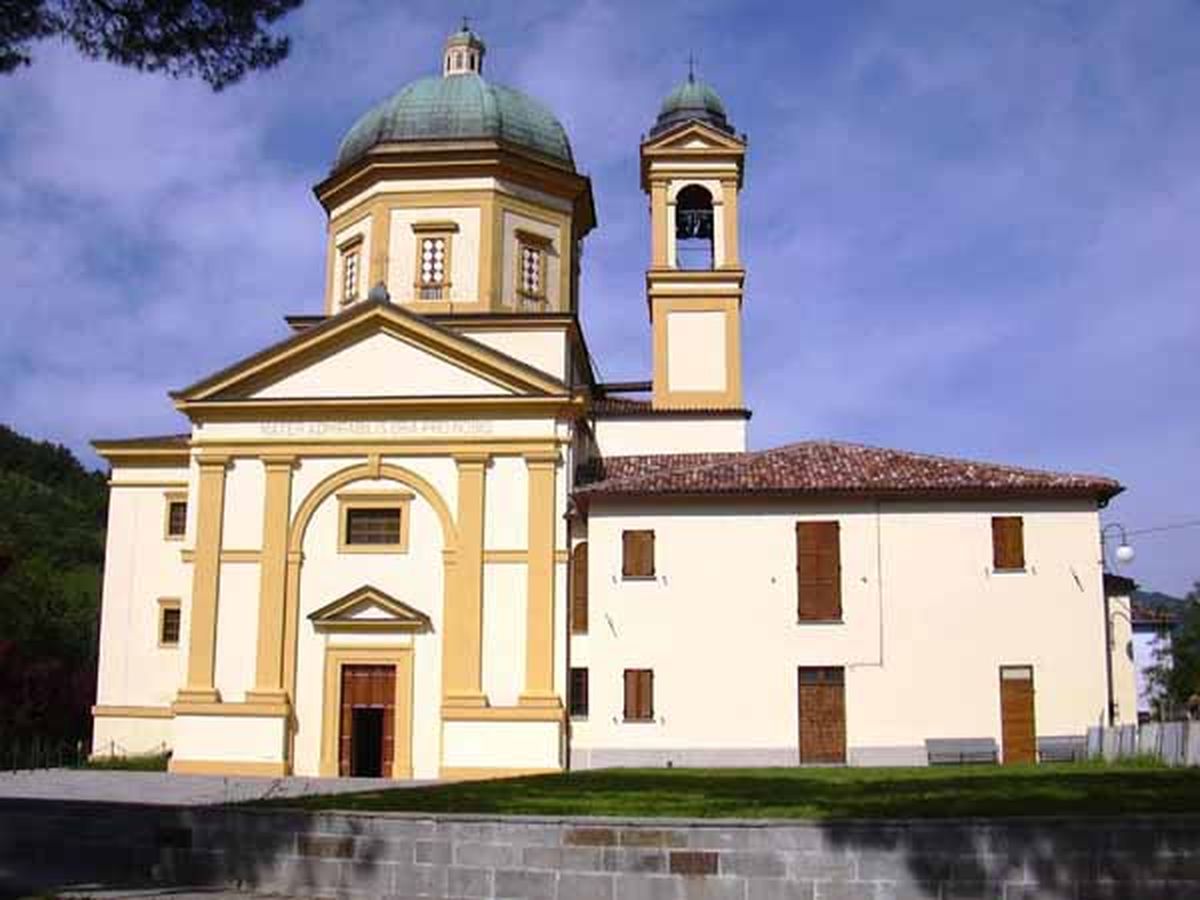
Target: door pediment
[(369, 609)]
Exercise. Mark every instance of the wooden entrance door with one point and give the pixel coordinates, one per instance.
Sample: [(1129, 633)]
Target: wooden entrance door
[(822, 711), (1019, 737), (368, 714)]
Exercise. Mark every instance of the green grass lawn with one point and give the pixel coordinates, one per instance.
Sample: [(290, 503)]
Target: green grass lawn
[(1076, 789)]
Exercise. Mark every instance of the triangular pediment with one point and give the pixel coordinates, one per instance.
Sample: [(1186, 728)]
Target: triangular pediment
[(374, 350), (694, 136), (369, 609)]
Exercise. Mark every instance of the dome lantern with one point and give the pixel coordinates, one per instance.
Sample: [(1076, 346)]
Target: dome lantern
[(463, 53)]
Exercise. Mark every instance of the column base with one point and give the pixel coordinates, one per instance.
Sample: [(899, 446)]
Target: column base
[(541, 700), (198, 695), (467, 699)]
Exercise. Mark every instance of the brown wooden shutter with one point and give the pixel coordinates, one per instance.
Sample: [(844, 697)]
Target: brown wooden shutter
[(646, 694), (1008, 542), (579, 590), (630, 694), (637, 554), (639, 694), (819, 571)]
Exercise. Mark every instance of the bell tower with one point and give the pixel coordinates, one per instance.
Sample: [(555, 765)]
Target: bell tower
[(692, 164)]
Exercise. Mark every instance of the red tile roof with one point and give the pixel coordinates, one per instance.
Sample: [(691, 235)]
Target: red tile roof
[(827, 467), (618, 407)]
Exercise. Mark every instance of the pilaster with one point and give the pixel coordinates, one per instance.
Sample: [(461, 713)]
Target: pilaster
[(202, 632), (539, 634), (268, 682), (462, 646)]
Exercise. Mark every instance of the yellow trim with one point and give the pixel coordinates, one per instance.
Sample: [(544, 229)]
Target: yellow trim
[(170, 498), (539, 616), (503, 714), (350, 500), (202, 632), (251, 447), (381, 236), (132, 712), (435, 227), (466, 773), (488, 242), (731, 396), (226, 767), (188, 555), (729, 193), (277, 499), (250, 708), (407, 618), (462, 646), (165, 603), (335, 659), (146, 484), (500, 557), (340, 408)]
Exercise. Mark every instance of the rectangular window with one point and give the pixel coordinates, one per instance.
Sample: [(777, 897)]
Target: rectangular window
[(819, 572), (577, 701), (639, 695), (372, 526), (374, 522), (1008, 543), (169, 618), (532, 252), (350, 275), (434, 243), (637, 554), (175, 524)]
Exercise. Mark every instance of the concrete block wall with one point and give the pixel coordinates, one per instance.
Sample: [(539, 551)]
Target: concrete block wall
[(403, 857)]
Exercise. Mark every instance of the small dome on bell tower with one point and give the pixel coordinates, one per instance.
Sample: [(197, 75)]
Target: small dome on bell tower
[(463, 53)]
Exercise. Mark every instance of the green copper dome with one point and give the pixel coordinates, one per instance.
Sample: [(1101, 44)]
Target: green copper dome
[(692, 100), (457, 107)]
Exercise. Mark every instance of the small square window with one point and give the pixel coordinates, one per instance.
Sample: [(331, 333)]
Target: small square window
[(374, 522)]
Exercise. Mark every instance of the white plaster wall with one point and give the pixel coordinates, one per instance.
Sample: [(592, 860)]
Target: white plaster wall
[(543, 349), (464, 252), (555, 256), (505, 600), (415, 577), (237, 630), (532, 745), (381, 365), (229, 738), (696, 351), (140, 567), (130, 737), (506, 505), (242, 521), (633, 437), (718, 624)]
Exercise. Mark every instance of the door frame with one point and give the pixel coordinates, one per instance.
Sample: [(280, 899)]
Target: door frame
[(400, 657), (1032, 700)]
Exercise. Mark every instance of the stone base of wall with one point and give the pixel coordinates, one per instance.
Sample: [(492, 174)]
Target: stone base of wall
[(47, 845)]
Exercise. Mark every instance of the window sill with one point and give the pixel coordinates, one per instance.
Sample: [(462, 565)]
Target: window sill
[(373, 548), (577, 717), (649, 721), (1021, 571), (820, 621), (639, 578)]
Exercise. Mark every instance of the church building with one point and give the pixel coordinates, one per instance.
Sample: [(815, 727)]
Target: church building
[(418, 537)]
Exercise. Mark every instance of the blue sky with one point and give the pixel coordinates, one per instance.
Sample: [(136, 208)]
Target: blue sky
[(969, 228)]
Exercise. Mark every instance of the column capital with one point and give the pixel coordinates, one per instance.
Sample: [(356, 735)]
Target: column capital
[(547, 458), (469, 459), (278, 461), (213, 460)]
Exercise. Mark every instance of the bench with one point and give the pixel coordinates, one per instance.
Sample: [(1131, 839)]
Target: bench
[(1062, 748), (959, 751)]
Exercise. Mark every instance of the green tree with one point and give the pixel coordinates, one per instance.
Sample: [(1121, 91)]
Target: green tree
[(216, 40), (1175, 675)]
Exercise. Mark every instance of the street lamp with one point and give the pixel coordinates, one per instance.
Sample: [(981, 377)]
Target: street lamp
[(1124, 553)]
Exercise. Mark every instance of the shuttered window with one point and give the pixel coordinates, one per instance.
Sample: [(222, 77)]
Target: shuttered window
[(637, 558), (819, 571), (639, 695), (579, 590), (1008, 543), (577, 698)]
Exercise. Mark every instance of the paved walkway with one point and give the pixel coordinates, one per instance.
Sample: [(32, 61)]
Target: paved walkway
[(164, 789)]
